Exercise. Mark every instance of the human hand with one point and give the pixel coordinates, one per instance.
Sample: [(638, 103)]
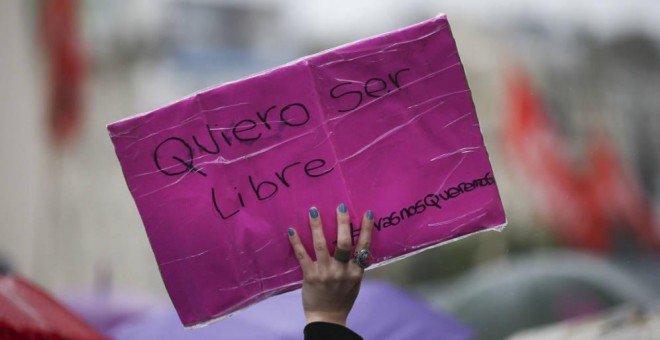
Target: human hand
[(331, 285)]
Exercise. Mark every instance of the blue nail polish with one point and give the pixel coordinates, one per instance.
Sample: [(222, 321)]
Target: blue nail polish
[(370, 215), (291, 231), (313, 213), (342, 208)]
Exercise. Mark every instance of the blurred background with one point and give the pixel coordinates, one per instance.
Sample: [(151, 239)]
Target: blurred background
[(567, 93)]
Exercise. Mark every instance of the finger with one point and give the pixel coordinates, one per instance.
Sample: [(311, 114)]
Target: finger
[(320, 246), (299, 250), (367, 227), (343, 228)]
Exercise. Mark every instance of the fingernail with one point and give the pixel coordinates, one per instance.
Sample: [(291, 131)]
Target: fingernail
[(291, 232), (370, 215), (342, 208), (313, 213)]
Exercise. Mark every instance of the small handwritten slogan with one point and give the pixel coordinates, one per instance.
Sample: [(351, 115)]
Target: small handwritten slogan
[(384, 124)]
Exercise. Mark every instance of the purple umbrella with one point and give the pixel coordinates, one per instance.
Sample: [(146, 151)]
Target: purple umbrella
[(380, 312)]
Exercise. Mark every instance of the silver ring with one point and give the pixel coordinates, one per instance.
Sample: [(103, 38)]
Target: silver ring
[(363, 258)]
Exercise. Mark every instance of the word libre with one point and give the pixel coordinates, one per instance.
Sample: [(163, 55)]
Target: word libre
[(265, 189)]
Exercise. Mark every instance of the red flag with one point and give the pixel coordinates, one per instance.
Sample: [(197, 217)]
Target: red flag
[(581, 206), (619, 195), (65, 65)]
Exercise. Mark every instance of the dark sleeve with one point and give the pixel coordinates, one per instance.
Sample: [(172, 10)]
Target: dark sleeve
[(329, 331)]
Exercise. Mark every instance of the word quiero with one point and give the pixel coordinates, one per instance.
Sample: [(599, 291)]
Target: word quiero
[(243, 131)]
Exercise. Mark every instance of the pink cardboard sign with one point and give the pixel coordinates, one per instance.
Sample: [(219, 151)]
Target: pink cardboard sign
[(385, 123)]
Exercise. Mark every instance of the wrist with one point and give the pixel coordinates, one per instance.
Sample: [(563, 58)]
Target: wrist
[(337, 318)]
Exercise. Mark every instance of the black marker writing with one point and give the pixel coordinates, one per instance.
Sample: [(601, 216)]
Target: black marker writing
[(243, 131), (265, 189), (186, 162), (374, 87), (432, 200)]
